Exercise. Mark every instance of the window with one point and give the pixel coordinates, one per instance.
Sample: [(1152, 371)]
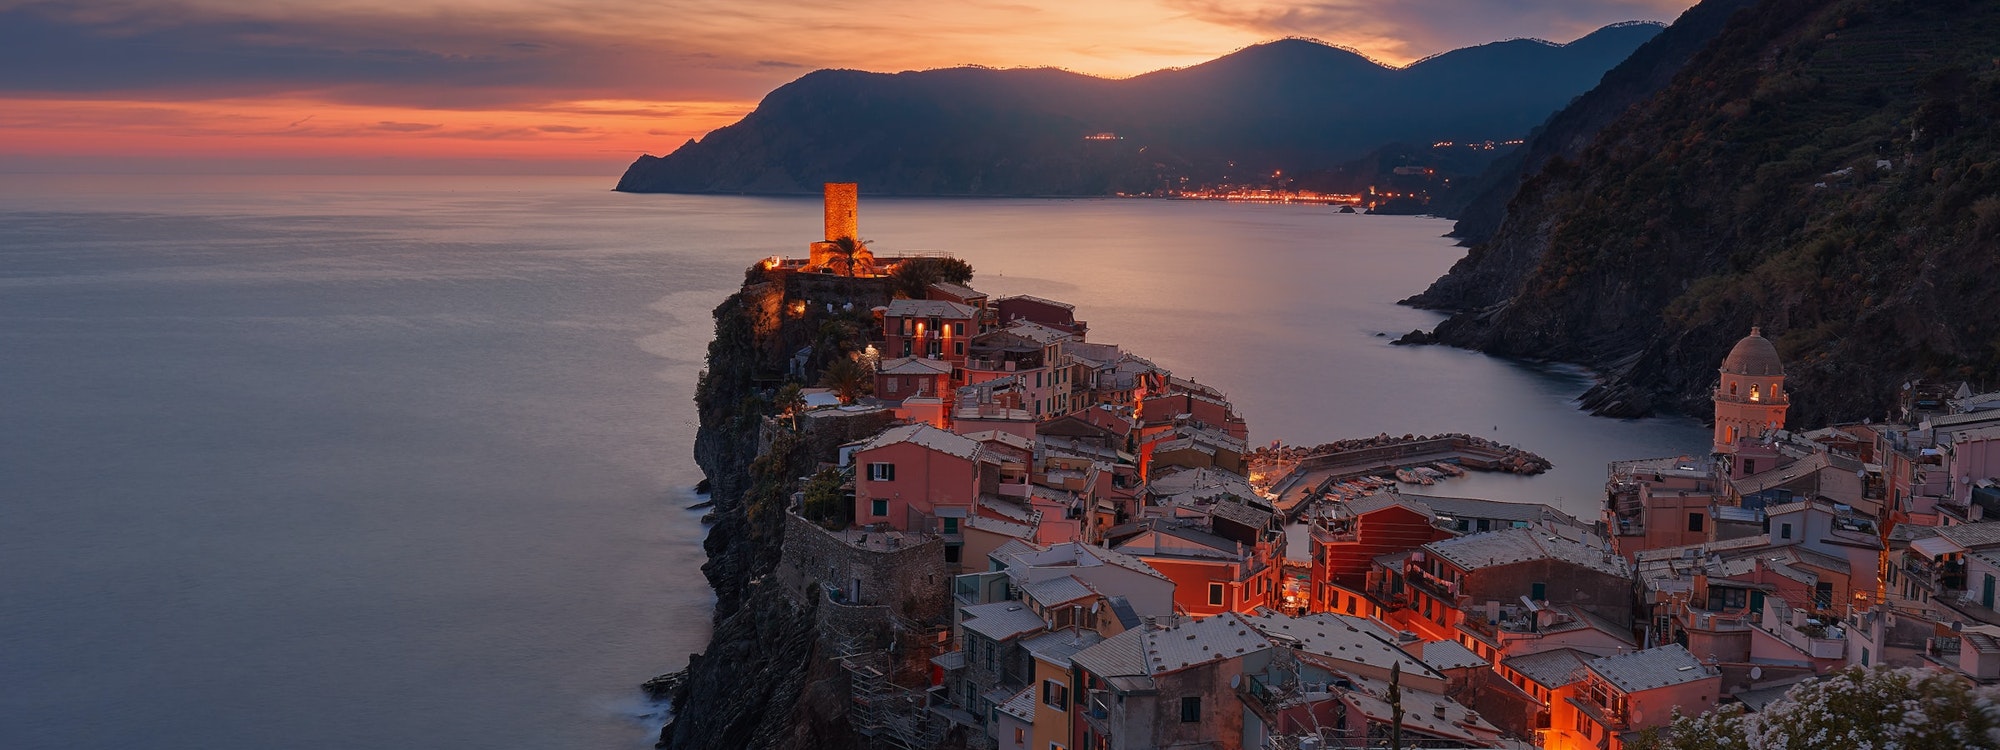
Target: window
[(878, 508), (1784, 531), (958, 329), (1038, 379), (1749, 466), (1215, 594), (891, 385), (950, 525), (1754, 395), (1539, 592), (1020, 735), (1823, 595), (881, 472), (1191, 708), (953, 553), (958, 348), (906, 347), (1055, 695), (1695, 521)]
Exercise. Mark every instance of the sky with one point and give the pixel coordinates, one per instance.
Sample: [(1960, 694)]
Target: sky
[(584, 86)]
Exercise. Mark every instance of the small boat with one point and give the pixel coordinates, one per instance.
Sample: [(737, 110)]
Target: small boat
[(1449, 468), (1409, 477)]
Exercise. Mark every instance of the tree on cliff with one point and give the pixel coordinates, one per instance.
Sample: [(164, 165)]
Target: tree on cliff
[(848, 378), (789, 402), (913, 277), (1882, 708)]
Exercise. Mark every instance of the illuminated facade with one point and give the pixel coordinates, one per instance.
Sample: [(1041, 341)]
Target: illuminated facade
[(1750, 396)]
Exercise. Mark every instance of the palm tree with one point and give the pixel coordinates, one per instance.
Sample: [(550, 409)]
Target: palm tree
[(844, 249), (789, 402), (848, 379)]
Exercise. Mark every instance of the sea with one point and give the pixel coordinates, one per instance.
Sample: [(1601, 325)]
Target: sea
[(404, 462)]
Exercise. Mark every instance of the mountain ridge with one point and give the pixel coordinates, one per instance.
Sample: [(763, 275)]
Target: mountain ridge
[(1287, 105), (1825, 169)]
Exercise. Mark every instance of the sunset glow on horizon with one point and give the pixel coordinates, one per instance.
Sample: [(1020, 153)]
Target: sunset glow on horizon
[(591, 84)]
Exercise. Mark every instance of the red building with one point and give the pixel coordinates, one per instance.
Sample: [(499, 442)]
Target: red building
[(1344, 544), (1057, 315)]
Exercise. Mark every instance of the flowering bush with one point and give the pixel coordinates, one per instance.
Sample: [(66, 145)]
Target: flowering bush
[(1854, 709)]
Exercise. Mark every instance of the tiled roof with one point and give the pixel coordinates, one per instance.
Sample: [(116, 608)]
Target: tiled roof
[(1420, 710), (1510, 546), (1032, 298), (1002, 620), (1469, 507), (929, 308), (1450, 655), (1078, 554), (1196, 642), (1652, 668), (957, 290), (1036, 332), (1054, 591), (1339, 639), (1021, 705), (929, 437), (914, 366), (1057, 647), (997, 526), (1973, 535), (1121, 655), (1551, 669)]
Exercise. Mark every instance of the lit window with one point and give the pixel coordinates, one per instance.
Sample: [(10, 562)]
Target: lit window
[(1754, 395)]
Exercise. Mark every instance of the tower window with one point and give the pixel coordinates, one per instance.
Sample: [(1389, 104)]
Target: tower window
[(1732, 389), (1754, 395)]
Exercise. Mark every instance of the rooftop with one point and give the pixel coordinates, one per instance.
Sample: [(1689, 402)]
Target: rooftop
[(1057, 647), (1510, 546), (1551, 669), (957, 290), (1061, 590), (927, 436), (1002, 620), (1754, 355), (1650, 669), (1339, 637), (929, 308), (1449, 655), (914, 366)]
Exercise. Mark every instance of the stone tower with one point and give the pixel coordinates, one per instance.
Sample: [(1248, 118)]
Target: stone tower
[(841, 199), (1750, 397)]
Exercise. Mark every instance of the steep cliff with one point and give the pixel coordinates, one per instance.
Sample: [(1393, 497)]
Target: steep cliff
[(764, 680), (1824, 168)]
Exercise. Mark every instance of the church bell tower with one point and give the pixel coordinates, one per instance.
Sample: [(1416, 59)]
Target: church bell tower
[(1750, 396)]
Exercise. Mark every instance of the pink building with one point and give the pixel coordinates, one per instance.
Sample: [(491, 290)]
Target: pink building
[(1620, 695), (931, 329), (920, 478), (903, 377)]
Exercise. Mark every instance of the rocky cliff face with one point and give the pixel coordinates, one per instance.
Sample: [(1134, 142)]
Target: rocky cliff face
[(1824, 168), (764, 680)]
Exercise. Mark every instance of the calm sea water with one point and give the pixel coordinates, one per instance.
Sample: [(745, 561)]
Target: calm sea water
[(341, 462)]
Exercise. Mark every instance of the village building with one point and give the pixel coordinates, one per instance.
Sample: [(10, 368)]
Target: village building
[(1750, 397), (1622, 695)]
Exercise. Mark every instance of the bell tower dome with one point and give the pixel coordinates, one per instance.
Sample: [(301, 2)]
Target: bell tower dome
[(1750, 396)]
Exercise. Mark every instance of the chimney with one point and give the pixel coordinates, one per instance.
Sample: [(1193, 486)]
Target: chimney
[(841, 200)]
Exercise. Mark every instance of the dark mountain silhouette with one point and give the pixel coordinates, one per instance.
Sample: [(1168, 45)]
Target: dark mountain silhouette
[(1823, 168), (1290, 105)]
